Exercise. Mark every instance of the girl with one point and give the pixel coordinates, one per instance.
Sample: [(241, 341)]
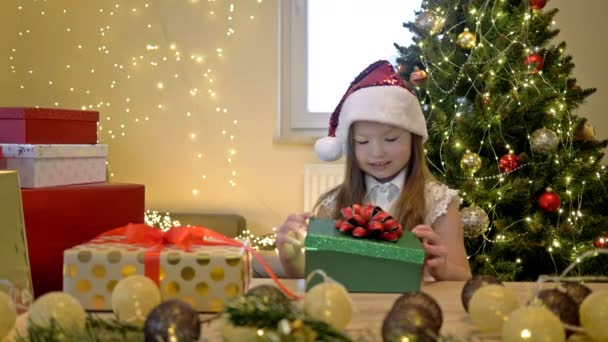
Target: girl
[(380, 126)]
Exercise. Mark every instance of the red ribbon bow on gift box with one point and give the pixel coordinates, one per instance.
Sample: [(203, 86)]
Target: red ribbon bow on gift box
[(181, 237), (369, 221)]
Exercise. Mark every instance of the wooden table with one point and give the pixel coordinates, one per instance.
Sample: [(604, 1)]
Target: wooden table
[(370, 309)]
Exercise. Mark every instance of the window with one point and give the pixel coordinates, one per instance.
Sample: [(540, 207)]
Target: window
[(324, 44)]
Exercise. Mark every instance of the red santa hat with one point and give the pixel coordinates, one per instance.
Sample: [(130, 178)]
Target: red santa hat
[(378, 94)]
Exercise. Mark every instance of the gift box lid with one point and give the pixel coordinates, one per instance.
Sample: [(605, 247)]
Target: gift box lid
[(53, 150), (47, 114), (322, 235)]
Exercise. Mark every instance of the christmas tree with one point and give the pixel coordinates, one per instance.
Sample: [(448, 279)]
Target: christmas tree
[(499, 101)]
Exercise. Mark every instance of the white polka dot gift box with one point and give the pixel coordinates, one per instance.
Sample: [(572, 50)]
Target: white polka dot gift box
[(55, 165), (195, 270)]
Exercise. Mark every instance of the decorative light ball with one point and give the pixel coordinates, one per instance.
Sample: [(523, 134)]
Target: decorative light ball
[(134, 297), (329, 302), (578, 292), (172, 320), (466, 39), (549, 201), (268, 294), (59, 307), (561, 304), (490, 306), (533, 324), (594, 315), (535, 62), (429, 21), (8, 315), (423, 300), (474, 284), (475, 221), (544, 141), (508, 162), (418, 76), (409, 323), (537, 4), (470, 163), (601, 241)]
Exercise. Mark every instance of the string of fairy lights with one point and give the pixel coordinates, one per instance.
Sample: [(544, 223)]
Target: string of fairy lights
[(99, 70), (532, 79)]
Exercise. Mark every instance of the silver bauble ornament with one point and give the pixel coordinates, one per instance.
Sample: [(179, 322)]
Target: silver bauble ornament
[(429, 22), (544, 141), (475, 221)]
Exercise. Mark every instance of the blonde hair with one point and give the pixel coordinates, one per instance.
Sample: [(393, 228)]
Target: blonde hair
[(410, 209)]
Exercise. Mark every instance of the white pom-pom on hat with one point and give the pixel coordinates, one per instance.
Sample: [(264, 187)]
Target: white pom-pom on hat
[(328, 148)]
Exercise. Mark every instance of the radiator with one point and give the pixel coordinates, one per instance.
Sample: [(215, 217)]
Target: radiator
[(318, 179)]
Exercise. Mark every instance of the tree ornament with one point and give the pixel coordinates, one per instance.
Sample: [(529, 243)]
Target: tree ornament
[(466, 39), (578, 292), (473, 285), (57, 308), (562, 305), (328, 301), (508, 162), (490, 306), (429, 21), (585, 133), (475, 221), (409, 323), (594, 315), (418, 76), (268, 294), (134, 297), (423, 300), (534, 62), (8, 315), (544, 141), (470, 163), (172, 320), (533, 324), (549, 201), (537, 4), (601, 241)]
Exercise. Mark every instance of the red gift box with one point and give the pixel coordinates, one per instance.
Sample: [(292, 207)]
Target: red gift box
[(48, 126), (59, 218)]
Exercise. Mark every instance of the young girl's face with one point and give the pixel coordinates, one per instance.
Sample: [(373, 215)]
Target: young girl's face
[(381, 150)]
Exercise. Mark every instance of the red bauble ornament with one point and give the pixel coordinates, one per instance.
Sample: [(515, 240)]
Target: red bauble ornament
[(549, 201), (537, 4), (536, 61), (418, 76), (601, 241), (508, 162)]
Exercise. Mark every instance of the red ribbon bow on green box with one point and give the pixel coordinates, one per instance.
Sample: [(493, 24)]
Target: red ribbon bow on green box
[(369, 221)]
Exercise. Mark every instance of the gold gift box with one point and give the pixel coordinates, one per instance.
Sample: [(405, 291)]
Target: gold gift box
[(206, 277)]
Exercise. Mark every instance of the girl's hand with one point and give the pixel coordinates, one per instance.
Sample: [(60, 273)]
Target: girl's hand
[(436, 253), (290, 240)]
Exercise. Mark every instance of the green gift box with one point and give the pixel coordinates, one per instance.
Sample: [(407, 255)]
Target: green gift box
[(14, 263), (363, 265)]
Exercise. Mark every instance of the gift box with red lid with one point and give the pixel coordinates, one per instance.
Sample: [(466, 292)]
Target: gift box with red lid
[(23, 125)]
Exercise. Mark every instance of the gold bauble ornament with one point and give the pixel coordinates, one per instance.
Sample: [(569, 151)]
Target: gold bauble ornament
[(544, 141), (329, 302), (470, 163), (475, 221), (533, 324), (418, 76), (466, 39), (490, 306), (133, 298), (594, 315), (60, 308), (8, 315)]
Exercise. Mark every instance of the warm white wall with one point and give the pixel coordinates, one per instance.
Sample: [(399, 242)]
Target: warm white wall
[(159, 153)]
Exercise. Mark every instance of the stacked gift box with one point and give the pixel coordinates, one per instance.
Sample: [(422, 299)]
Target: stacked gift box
[(65, 195)]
